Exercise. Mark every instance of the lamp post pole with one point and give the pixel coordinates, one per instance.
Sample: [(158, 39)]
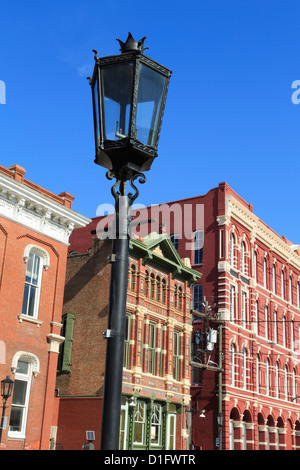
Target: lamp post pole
[(115, 334), (6, 391), (129, 93)]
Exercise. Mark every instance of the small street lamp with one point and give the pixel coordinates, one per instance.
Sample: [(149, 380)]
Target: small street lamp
[(6, 391), (129, 92)]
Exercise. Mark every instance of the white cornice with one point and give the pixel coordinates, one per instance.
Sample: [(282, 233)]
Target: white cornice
[(260, 231), (36, 211)]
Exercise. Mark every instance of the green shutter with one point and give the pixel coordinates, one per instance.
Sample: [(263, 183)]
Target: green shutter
[(67, 330)]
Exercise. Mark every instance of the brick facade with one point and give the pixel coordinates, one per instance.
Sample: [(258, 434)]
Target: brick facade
[(250, 281), (156, 377), (31, 224)]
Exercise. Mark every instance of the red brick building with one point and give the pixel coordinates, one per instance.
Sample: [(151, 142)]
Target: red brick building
[(156, 378), (35, 226), (250, 281)]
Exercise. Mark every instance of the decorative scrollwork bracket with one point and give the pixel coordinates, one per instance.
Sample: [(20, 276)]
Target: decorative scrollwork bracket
[(121, 183)]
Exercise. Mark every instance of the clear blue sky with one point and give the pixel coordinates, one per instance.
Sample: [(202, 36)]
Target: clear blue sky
[(229, 114)]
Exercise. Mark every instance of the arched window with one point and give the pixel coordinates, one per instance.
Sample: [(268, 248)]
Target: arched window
[(282, 283), (273, 279), (290, 290), (133, 277), (255, 266), (266, 321), (267, 377), (164, 291), (244, 368), (265, 273), (35, 260), (277, 380), (292, 335), (285, 383), (294, 386), (275, 325), (232, 363), (20, 399), (298, 295), (257, 374), (152, 286), (243, 261), (147, 284), (231, 249), (283, 332)]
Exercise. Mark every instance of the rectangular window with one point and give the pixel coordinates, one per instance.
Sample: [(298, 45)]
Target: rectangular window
[(156, 422), (232, 303), (197, 298), (151, 349), (176, 356), (198, 247), (244, 309), (20, 400), (126, 342), (174, 239), (266, 321), (222, 244), (139, 423), (32, 285)]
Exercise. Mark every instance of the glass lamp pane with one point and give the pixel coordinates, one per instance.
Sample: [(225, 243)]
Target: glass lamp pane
[(117, 94), (150, 93), (96, 111)]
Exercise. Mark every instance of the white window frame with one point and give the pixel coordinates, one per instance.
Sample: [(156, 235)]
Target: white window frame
[(282, 283), (232, 364), (156, 421), (255, 266), (244, 368), (231, 249), (265, 273), (243, 254), (244, 309), (275, 325), (232, 303), (276, 380), (171, 431), (266, 321), (290, 290), (140, 406), (273, 279), (285, 383), (35, 253), (257, 374), (22, 378), (267, 377), (283, 332)]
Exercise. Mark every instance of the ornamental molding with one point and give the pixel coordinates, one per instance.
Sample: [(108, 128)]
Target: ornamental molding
[(28, 207), (259, 231)]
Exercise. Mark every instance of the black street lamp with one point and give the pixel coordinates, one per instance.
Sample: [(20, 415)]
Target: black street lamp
[(6, 391), (129, 92)]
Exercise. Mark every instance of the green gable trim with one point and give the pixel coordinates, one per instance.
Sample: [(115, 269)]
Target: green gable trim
[(168, 261)]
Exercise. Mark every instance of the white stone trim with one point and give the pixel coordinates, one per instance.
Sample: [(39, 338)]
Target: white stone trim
[(36, 211), (32, 358), (41, 251)]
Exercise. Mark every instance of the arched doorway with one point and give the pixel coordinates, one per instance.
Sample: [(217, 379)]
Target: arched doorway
[(247, 431)]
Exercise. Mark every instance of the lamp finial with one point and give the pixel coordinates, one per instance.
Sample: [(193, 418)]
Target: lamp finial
[(132, 45)]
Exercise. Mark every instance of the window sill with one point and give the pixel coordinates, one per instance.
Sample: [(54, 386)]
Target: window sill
[(22, 317)]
